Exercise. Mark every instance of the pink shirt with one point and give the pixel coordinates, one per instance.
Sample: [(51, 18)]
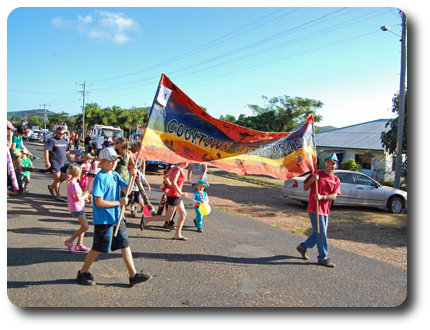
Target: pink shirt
[(73, 204), (180, 182), (327, 185)]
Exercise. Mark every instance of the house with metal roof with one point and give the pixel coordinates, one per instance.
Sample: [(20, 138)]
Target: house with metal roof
[(361, 142)]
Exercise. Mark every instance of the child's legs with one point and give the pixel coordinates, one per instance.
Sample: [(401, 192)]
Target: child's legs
[(170, 210), (26, 181), (199, 218), (19, 180), (181, 219), (128, 260), (91, 257), (80, 233)]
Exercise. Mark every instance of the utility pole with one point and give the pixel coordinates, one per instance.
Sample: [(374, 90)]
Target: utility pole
[(84, 92), (44, 120), (400, 123), (402, 98)]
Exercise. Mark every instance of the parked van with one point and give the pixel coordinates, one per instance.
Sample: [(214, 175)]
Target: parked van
[(100, 131), (109, 131)]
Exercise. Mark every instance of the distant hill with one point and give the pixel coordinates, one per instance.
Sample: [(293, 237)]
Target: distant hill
[(23, 113), (324, 128)]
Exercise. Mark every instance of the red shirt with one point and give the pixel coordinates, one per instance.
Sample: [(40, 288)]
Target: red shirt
[(327, 185), (180, 182)]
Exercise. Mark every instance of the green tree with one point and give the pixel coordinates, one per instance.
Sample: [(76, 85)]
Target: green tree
[(62, 117), (228, 118), (389, 138), (93, 115), (289, 111), (34, 120)]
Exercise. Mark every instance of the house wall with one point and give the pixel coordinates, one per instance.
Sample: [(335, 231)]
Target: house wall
[(381, 163)]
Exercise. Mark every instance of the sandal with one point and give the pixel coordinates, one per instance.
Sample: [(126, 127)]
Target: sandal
[(51, 191), (70, 246), (180, 238)]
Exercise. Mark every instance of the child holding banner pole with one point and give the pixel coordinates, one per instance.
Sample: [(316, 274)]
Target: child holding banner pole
[(325, 190), (106, 208)]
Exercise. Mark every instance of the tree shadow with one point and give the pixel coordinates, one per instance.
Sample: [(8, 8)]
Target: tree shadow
[(46, 231), (30, 256)]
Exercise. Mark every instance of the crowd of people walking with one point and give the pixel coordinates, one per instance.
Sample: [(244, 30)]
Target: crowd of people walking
[(112, 177)]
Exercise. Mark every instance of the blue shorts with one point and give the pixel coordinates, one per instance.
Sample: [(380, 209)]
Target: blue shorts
[(105, 242), (77, 214), (62, 169)]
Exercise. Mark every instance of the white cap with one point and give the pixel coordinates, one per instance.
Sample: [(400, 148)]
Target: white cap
[(108, 154)]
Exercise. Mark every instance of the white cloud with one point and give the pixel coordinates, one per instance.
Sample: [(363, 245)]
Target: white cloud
[(115, 27)]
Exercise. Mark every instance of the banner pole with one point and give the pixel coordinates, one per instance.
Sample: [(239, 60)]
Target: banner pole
[(318, 211), (129, 188)]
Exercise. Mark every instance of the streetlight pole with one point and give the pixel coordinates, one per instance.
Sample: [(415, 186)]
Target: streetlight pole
[(402, 99)]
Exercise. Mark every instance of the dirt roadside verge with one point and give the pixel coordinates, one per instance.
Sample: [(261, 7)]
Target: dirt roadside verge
[(370, 232)]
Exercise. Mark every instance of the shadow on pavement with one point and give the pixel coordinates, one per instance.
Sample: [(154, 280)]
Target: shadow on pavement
[(29, 256)]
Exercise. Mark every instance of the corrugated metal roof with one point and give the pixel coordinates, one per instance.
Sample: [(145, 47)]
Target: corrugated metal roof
[(360, 136)]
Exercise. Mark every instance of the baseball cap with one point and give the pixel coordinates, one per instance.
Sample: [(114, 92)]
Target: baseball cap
[(333, 158), (108, 154), (24, 151)]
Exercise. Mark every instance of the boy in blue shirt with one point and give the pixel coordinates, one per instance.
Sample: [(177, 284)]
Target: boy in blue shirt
[(106, 211)]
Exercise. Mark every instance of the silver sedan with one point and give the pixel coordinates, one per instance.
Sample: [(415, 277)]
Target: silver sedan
[(357, 189)]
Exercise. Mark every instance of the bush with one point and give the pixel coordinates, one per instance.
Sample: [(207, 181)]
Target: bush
[(350, 165)]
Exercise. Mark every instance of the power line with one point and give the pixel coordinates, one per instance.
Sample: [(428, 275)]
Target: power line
[(203, 46), (313, 22)]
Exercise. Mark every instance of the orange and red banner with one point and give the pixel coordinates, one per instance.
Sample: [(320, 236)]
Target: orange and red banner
[(178, 130)]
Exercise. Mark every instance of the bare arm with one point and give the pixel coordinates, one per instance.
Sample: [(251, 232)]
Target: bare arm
[(100, 202), (330, 197), (83, 196), (46, 154), (190, 168), (205, 169), (309, 183)]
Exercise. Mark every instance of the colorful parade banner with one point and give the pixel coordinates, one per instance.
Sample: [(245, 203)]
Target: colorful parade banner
[(178, 130)]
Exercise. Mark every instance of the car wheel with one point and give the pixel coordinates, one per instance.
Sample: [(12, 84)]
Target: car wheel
[(395, 204)]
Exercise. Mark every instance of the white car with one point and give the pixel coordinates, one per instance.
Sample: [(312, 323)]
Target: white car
[(35, 135), (357, 189)]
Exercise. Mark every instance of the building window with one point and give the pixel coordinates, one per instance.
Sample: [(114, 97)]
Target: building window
[(364, 160)]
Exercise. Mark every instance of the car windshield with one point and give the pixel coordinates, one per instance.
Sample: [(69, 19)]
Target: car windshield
[(109, 133)]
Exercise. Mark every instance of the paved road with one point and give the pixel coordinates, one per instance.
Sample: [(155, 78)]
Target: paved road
[(235, 262)]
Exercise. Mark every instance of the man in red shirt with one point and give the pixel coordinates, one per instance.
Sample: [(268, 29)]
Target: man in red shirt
[(328, 189)]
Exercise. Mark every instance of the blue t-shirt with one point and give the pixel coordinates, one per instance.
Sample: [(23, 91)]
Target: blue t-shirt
[(57, 151), (108, 186)]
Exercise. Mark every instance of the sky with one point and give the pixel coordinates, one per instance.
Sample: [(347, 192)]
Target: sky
[(223, 58)]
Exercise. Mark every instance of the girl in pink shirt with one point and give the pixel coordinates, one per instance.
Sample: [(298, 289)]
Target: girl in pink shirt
[(76, 206)]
